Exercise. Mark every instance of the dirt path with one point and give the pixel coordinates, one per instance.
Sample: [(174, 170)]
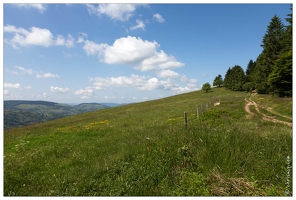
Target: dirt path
[(279, 114), (264, 117), (247, 107)]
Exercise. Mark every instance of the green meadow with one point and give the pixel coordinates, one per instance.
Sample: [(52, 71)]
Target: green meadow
[(144, 149)]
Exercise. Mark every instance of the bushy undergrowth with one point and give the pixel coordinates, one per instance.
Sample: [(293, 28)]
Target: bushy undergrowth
[(145, 150)]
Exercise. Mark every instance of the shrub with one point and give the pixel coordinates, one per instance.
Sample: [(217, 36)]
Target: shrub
[(206, 87)]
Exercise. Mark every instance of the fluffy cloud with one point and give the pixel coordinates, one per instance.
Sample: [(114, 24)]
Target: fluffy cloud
[(92, 48), (47, 75), (121, 12), (86, 93), (151, 84), (60, 41), (141, 83), (129, 50), (11, 85), (140, 25), (142, 54), (157, 17), (58, 89), (36, 36), (160, 60), (40, 7), (103, 83), (16, 86), (167, 74)]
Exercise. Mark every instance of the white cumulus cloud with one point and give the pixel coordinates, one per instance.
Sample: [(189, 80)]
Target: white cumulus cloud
[(58, 89), (129, 50), (166, 73), (141, 83), (40, 7), (140, 25), (47, 75), (121, 12), (85, 93), (61, 41), (144, 55), (157, 17), (11, 85), (92, 48), (82, 37), (16, 86), (36, 36), (151, 84), (159, 60)]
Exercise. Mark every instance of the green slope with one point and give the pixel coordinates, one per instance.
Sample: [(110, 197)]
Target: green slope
[(144, 149)]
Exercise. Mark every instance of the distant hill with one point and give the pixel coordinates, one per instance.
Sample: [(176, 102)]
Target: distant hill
[(113, 104), (22, 113)]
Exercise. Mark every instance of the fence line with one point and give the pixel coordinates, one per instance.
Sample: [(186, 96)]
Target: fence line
[(185, 119), (202, 110)]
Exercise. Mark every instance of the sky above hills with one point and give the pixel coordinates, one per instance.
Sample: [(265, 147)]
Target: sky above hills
[(123, 53)]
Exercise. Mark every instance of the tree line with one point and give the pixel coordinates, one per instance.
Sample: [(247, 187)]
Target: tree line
[(271, 73)]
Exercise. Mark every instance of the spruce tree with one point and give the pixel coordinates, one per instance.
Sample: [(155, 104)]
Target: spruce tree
[(249, 70), (235, 78), (227, 79), (218, 81), (280, 78), (288, 33), (273, 44)]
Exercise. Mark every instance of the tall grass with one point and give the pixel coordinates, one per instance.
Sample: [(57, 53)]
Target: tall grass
[(144, 150)]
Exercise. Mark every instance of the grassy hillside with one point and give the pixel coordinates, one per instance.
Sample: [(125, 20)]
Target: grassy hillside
[(145, 149), (22, 113)]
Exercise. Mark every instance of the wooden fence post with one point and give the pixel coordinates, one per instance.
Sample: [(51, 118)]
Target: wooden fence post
[(201, 109), (185, 119)]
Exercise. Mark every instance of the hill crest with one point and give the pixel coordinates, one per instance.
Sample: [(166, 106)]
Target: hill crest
[(25, 112)]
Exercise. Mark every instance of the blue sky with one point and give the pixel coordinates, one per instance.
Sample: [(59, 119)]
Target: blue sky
[(122, 53)]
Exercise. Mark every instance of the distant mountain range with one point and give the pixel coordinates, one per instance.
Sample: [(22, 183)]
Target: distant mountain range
[(21, 113)]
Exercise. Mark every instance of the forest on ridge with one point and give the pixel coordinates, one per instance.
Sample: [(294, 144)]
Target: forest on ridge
[(271, 72)]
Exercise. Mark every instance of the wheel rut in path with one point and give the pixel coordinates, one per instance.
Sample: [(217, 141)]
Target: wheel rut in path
[(263, 116)]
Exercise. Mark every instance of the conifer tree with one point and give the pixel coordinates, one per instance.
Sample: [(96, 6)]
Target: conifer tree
[(235, 78), (272, 47), (218, 81)]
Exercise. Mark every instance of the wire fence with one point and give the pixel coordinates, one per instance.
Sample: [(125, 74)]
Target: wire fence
[(202, 108)]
